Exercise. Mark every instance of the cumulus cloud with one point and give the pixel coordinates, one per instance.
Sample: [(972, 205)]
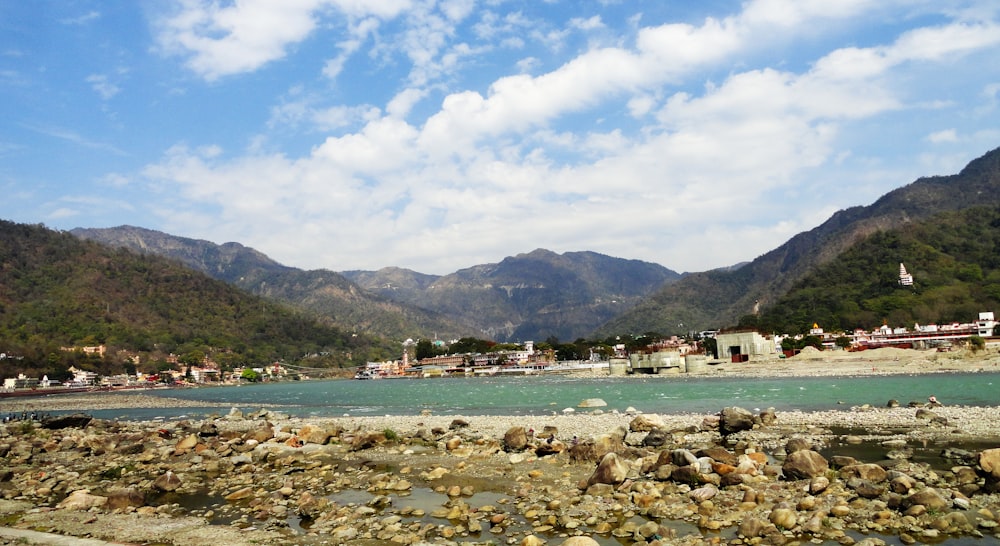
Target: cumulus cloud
[(220, 40), (498, 169)]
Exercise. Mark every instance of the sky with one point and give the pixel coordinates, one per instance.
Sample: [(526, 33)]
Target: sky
[(437, 135)]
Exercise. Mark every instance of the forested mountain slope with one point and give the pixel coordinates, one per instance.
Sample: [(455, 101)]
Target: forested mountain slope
[(954, 258), (321, 291), (59, 291)]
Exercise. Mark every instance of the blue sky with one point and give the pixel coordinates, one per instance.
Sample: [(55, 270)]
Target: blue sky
[(436, 135)]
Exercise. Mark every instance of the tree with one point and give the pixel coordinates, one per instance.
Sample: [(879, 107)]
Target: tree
[(843, 342), (976, 343), (250, 375), (425, 349)]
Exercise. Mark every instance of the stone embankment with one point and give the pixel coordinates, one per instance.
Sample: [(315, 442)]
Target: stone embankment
[(582, 479)]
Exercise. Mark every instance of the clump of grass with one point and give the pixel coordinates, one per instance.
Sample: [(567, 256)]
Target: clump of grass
[(26, 428), (390, 435)]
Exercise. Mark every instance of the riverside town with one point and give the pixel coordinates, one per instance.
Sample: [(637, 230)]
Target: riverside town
[(672, 355)]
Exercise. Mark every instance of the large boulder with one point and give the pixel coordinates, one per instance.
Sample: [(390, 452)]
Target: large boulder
[(928, 498), (804, 464), (314, 434), (869, 472), (82, 500), (123, 498), (515, 439), (734, 419), (611, 471), (168, 481), (592, 403), (549, 447), (645, 423), (75, 420), (989, 462)]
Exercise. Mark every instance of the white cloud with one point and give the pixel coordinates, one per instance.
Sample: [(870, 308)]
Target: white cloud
[(939, 137), (691, 139), (221, 40), (103, 87), (590, 23)]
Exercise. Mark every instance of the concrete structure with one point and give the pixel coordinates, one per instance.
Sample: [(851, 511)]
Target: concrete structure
[(695, 363), (745, 346), (618, 366), (659, 362)]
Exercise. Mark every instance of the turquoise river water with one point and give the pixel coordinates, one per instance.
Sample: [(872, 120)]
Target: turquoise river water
[(542, 395)]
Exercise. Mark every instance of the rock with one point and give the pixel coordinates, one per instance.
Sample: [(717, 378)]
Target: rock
[(928, 498), (187, 443), (458, 424), (683, 457), (550, 447), (580, 541), (368, 440), (124, 498), (313, 434), (840, 461), (240, 494), (804, 464), (768, 417), (819, 484), (865, 488), (260, 434), (611, 470), (645, 423), (702, 494), (167, 481), (76, 420), (797, 444), (656, 438), (989, 462), (783, 518), (719, 454), (925, 414), (81, 499), (734, 419), (753, 527), (892, 403), (532, 540), (515, 439), (870, 472), (592, 403)]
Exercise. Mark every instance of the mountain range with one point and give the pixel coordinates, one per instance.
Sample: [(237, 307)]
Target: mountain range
[(541, 295), (534, 296)]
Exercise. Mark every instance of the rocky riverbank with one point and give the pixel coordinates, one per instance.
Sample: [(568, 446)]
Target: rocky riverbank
[(911, 472), (582, 478)]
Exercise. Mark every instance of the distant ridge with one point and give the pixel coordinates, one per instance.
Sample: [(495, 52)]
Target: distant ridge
[(322, 291), (534, 296)]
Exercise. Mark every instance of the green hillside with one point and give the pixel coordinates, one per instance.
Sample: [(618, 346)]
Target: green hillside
[(59, 291), (954, 258), (323, 292)]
